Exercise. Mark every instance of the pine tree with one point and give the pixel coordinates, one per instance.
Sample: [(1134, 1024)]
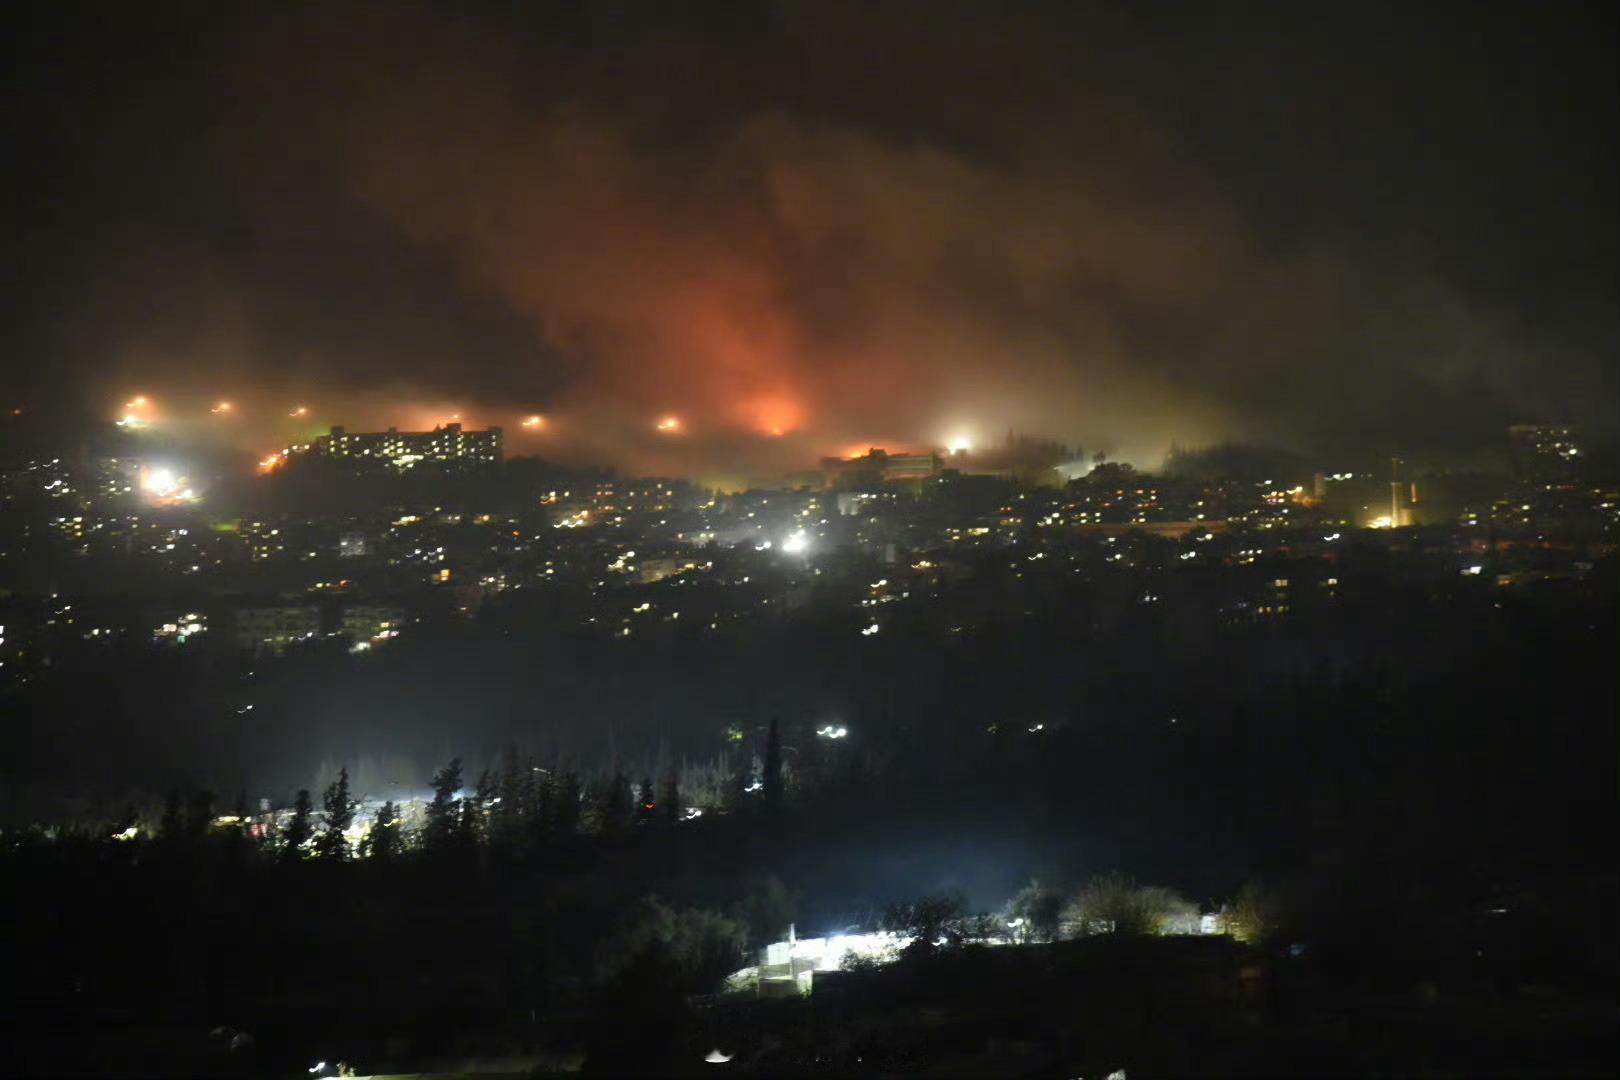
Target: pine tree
[(514, 804), (565, 808), (383, 839), (173, 823), (299, 829), (475, 813), (646, 802), (614, 809), (540, 793), (236, 836), (739, 780), (200, 814), (334, 843), (671, 800), (773, 768), (444, 812)]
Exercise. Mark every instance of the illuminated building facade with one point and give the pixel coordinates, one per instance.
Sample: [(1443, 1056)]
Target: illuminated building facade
[(271, 629), (879, 466), (448, 445), (366, 625)]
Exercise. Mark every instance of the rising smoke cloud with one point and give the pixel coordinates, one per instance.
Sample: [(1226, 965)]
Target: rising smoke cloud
[(891, 240)]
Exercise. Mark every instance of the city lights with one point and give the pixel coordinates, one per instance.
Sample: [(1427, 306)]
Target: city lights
[(136, 414), (1213, 394), (181, 629)]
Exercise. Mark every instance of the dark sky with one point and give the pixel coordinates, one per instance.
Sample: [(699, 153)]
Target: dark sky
[(802, 227)]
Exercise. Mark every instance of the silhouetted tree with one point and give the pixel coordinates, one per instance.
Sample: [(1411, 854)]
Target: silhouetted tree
[(513, 802), (1115, 904), (444, 812), (299, 829), (236, 836), (773, 768), (173, 823), (382, 842), (613, 810), (653, 988), (929, 920), (767, 907), (646, 802), (200, 814), (565, 808), (540, 790), (703, 945), (475, 811), (670, 801), (739, 781), (1251, 917), (1037, 910), (340, 808)]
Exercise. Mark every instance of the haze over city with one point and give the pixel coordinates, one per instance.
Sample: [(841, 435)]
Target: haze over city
[(812, 227)]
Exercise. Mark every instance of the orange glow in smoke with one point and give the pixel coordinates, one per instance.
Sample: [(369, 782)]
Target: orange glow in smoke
[(299, 411), (222, 407), (534, 422), (669, 424), (137, 412), (773, 414), (273, 462), (859, 450)]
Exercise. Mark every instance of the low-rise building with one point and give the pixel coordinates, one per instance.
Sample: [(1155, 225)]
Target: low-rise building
[(272, 629)]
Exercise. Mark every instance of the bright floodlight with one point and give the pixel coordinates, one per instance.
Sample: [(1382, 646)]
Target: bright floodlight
[(960, 444), (298, 411), (160, 482), (669, 423), (797, 543), (533, 422)]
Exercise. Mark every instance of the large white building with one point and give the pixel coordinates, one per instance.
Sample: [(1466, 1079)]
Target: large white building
[(447, 445)]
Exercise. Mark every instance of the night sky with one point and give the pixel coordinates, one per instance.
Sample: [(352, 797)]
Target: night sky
[(805, 228)]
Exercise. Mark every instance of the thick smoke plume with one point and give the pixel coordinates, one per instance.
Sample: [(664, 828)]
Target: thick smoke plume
[(881, 230)]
